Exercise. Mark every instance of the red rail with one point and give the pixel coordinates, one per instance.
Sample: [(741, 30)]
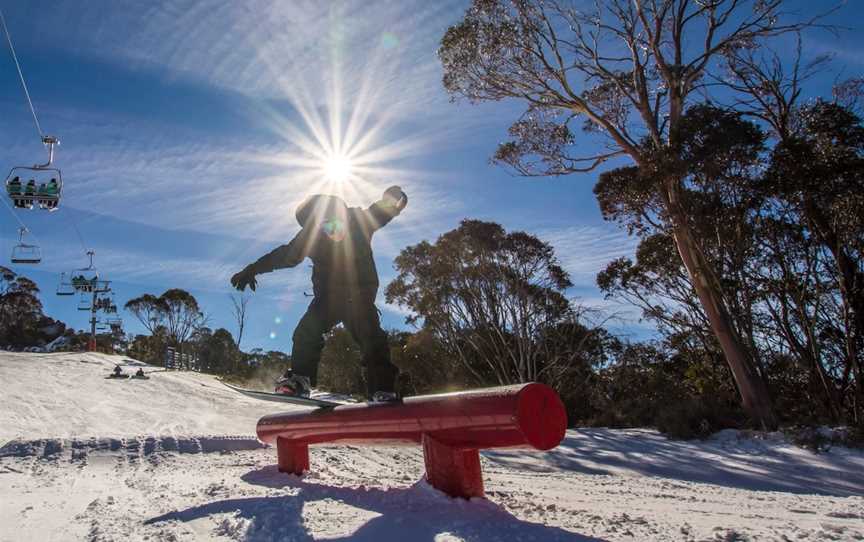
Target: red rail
[(451, 428)]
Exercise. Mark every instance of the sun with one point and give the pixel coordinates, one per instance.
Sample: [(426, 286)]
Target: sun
[(338, 167)]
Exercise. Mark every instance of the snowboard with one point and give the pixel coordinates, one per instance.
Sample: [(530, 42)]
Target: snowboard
[(116, 377), (282, 398)]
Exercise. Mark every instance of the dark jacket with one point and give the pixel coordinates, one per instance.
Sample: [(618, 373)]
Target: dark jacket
[(338, 267)]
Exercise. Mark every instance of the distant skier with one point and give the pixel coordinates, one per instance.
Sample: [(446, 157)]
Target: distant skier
[(338, 240)]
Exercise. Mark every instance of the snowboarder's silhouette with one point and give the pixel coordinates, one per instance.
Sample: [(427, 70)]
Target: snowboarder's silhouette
[(338, 240)]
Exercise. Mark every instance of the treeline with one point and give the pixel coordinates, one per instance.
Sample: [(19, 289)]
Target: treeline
[(22, 321), (746, 198), (491, 308), (175, 320), (24, 325)]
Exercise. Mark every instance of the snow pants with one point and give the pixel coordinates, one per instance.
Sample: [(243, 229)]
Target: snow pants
[(357, 312)]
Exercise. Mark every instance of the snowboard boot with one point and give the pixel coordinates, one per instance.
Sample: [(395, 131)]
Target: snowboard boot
[(294, 385)]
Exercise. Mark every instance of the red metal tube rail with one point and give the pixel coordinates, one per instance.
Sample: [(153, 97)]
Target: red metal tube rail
[(451, 427)]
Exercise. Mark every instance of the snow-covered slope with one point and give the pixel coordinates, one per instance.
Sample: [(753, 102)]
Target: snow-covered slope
[(67, 395), (172, 458)]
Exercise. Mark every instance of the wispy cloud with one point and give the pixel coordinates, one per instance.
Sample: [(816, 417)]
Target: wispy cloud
[(584, 251)]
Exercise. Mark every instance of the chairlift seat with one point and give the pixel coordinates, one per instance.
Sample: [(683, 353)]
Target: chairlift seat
[(65, 287), (34, 259), (24, 253), (44, 187)]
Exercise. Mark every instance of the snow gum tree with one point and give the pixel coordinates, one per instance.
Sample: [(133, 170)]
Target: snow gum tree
[(176, 311), (626, 70), (495, 300)]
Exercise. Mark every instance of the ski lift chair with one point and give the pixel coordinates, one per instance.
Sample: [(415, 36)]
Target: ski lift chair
[(25, 253), (84, 303), (65, 286), (85, 279), (44, 183)]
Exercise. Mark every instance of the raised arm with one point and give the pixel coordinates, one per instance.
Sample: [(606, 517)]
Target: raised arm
[(380, 213), (289, 255)]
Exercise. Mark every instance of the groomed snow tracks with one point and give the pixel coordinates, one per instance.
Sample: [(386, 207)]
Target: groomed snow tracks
[(77, 450)]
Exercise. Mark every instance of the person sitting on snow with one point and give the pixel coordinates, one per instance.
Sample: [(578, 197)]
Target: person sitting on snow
[(118, 371), (140, 372), (338, 240)]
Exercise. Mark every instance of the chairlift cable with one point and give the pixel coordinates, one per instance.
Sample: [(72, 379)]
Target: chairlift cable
[(18, 219), (21, 76), (77, 233)]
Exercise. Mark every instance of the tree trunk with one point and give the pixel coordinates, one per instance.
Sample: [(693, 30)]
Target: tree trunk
[(851, 283), (751, 387)]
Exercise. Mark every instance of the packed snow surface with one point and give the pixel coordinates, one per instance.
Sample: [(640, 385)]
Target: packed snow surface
[(83, 457)]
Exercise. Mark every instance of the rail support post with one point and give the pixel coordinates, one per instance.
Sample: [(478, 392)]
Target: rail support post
[(293, 457), (454, 471)]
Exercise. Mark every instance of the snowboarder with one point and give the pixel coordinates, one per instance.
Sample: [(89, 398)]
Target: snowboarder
[(338, 240), (139, 373), (118, 371)]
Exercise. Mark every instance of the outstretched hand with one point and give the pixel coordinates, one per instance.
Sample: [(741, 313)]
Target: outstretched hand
[(244, 278), (395, 197)]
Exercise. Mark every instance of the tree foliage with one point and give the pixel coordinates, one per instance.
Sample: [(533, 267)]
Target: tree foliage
[(176, 311), (627, 71), (495, 300)]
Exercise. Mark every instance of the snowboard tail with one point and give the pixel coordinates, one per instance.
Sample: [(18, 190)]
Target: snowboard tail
[(282, 398)]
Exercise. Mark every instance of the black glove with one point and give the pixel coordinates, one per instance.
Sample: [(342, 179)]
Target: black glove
[(396, 197), (245, 278)]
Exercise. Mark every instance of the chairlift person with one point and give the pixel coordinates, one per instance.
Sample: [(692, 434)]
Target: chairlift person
[(13, 187)]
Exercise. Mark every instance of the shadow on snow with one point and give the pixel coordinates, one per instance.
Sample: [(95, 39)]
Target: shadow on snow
[(418, 513), (746, 463)]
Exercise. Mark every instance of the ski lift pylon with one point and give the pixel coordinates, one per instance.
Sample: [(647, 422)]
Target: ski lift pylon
[(25, 253)]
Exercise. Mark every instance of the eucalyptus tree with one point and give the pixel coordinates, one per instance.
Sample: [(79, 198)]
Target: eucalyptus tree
[(627, 71)]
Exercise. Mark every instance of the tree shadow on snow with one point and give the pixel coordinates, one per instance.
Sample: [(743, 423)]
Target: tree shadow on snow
[(418, 513), (745, 464)]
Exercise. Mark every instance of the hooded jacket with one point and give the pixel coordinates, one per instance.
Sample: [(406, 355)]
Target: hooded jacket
[(338, 265)]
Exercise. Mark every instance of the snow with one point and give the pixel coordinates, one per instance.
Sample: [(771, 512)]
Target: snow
[(174, 458)]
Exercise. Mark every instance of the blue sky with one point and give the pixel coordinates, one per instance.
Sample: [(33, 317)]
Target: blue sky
[(191, 129)]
